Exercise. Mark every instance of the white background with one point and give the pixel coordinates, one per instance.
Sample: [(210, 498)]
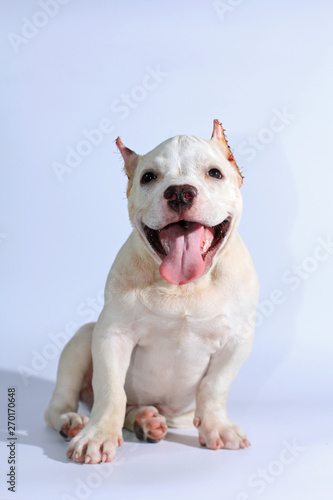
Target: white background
[(243, 62)]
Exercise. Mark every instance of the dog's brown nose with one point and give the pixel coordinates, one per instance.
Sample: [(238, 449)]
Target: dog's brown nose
[(180, 197)]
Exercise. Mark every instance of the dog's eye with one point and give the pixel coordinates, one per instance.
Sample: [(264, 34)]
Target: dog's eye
[(214, 172), (148, 177)]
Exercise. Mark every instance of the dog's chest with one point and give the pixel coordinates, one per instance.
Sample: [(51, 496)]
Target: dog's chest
[(170, 359), (183, 333), (188, 320), (178, 330), (185, 330)]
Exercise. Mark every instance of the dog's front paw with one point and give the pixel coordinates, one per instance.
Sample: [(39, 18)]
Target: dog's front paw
[(92, 446), (223, 434)]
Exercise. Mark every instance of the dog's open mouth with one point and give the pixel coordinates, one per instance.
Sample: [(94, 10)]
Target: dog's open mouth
[(186, 248)]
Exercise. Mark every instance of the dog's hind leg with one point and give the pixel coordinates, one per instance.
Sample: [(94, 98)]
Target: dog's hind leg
[(74, 365), (146, 423)]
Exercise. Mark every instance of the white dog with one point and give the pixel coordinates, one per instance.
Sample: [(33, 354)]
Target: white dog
[(179, 312)]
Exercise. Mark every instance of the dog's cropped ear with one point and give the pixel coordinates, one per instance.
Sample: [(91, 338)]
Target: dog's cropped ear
[(130, 158), (218, 133)]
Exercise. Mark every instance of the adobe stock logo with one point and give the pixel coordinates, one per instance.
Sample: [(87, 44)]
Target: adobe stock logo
[(98, 474), (223, 8), (277, 123), (30, 27), (294, 277), (121, 107), (263, 477)]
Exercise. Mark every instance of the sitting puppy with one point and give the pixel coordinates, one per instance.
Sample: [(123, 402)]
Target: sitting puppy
[(179, 312)]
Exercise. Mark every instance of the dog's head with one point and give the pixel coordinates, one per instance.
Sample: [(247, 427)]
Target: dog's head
[(184, 202)]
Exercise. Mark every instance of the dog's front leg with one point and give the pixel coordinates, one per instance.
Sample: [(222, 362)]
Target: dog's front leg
[(211, 418), (99, 439)]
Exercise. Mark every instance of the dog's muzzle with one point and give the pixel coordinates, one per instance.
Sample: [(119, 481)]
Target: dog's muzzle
[(186, 248)]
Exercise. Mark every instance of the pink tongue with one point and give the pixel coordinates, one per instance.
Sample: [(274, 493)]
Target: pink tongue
[(183, 262)]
